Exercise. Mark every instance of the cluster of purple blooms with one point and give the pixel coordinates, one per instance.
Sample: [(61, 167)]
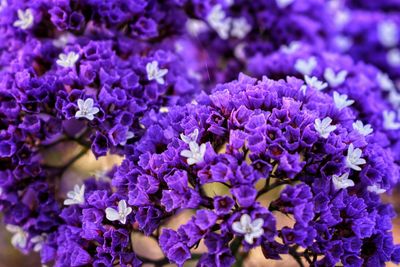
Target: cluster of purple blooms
[(159, 83)]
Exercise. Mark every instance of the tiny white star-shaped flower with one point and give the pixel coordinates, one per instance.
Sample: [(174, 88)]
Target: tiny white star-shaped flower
[(324, 127), (306, 66), (283, 3), (195, 154), (361, 128), (341, 101), (19, 238), (128, 136), (389, 120), (394, 98), (393, 57), (195, 26), (240, 28), (155, 73), (385, 82), (313, 82), (192, 137), (291, 48), (375, 189), (388, 33), (86, 109), (342, 181), (219, 22), (76, 196), (25, 19), (353, 158), (119, 215), (335, 79), (67, 60), (38, 242), (250, 229), (343, 43)]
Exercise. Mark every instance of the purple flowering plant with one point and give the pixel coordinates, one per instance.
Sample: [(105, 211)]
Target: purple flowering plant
[(314, 138)]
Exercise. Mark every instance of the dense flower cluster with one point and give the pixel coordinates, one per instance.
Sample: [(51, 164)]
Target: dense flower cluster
[(315, 136)]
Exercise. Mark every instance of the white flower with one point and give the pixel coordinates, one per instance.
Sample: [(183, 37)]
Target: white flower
[(76, 196), (333, 79), (250, 229), (306, 66), (195, 26), (154, 73), (120, 214), (25, 19), (341, 100), (291, 48), (219, 22), (67, 60), (86, 109), (128, 136), (341, 17), (195, 154), (393, 57), (313, 82), (376, 189), (38, 242), (342, 182), (324, 127), (192, 137), (240, 28), (63, 40), (283, 3), (3, 4), (239, 51), (385, 82), (394, 98), (389, 122), (387, 33), (20, 237), (343, 43), (353, 158), (361, 128)]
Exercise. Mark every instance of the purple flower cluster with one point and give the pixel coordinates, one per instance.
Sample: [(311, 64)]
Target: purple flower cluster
[(314, 137)]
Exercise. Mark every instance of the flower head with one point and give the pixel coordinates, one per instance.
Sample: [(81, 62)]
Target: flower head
[(306, 66), (76, 196), (361, 128), (313, 82), (86, 109), (388, 33), (335, 80), (25, 19), (389, 120), (353, 158), (240, 28), (67, 60), (251, 229), (155, 73), (342, 181), (195, 154), (341, 101), (375, 189), (324, 127), (119, 215), (20, 237)]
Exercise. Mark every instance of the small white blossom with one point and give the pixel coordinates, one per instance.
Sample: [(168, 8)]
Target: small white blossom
[(250, 229), (239, 51), (76, 196), (389, 120), (385, 82), (67, 60), (25, 19), (375, 189), (155, 73), (353, 158), (343, 43), (342, 181), (291, 48), (219, 22), (283, 3), (324, 127), (192, 137), (361, 128), (86, 109), (37, 242), (306, 66), (341, 101), (335, 79), (313, 82), (119, 215), (195, 154), (128, 136), (388, 33), (394, 98), (195, 26), (3, 4), (393, 57), (341, 18), (63, 40), (20, 237), (240, 28)]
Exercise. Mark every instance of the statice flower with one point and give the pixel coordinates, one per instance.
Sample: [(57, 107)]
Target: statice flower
[(259, 135)]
